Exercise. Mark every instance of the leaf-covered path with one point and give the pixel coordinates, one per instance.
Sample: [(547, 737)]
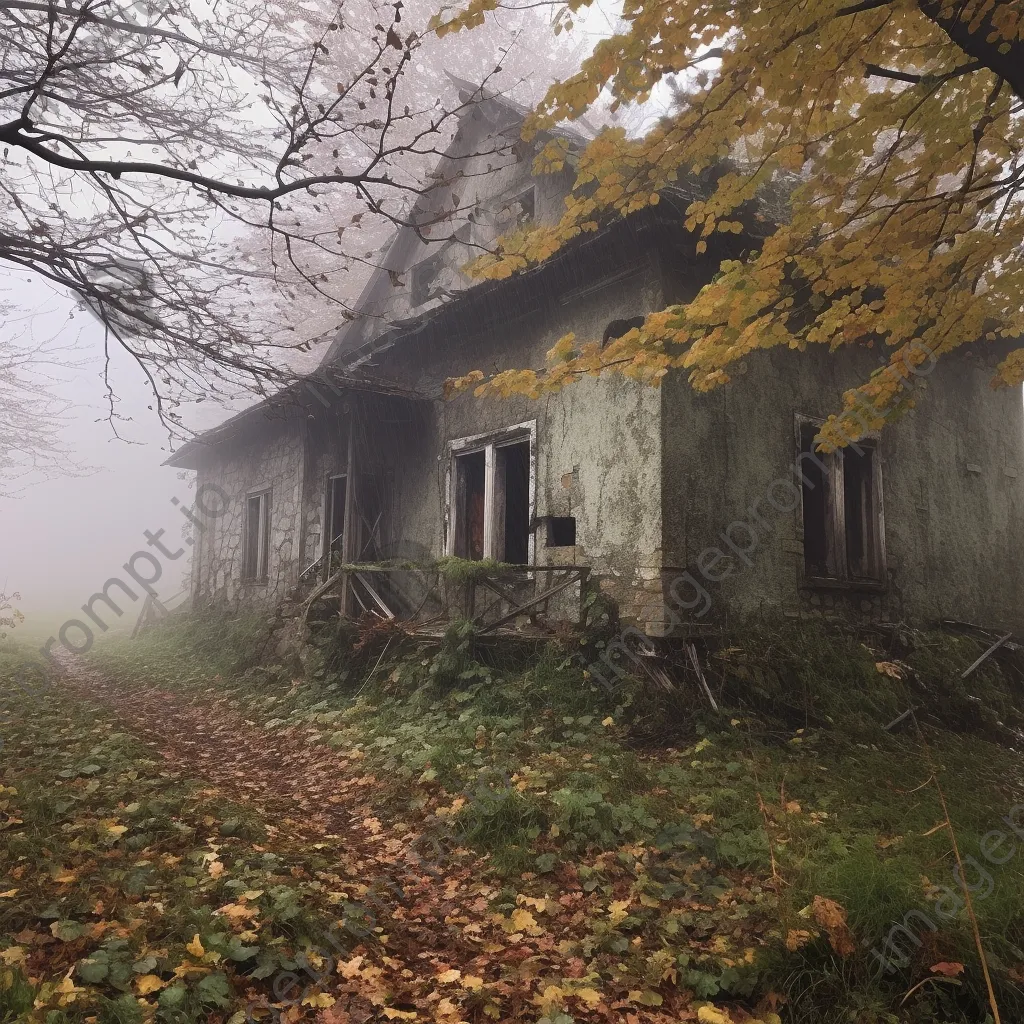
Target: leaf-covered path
[(309, 795), (306, 788), (427, 930)]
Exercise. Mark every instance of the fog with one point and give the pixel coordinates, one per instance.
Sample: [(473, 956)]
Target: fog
[(62, 539)]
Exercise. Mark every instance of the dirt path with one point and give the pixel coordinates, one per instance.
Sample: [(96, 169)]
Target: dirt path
[(442, 948), (310, 789)]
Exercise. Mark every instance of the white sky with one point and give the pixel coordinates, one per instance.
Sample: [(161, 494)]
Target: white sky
[(64, 538)]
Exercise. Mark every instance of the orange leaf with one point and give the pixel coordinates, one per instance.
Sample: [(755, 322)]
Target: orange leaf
[(831, 916), (948, 969)]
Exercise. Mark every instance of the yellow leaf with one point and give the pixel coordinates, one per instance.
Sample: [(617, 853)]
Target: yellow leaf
[(8, 894), (889, 668), (589, 995), (618, 911), (447, 977), (13, 955), (195, 947), (529, 901), (523, 920), (472, 983), (608, 721), (321, 1000), (236, 912), (712, 1015), (148, 983)]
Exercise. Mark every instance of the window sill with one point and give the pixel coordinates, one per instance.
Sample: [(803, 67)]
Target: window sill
[(828, 583)]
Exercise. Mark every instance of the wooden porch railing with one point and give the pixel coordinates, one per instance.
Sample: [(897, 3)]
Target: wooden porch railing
[(427, 598)]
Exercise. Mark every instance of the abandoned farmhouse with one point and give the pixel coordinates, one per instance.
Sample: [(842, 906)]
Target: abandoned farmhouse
[(712, 504)]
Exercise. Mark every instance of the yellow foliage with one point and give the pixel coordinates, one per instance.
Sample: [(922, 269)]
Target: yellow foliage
[(876, 188)]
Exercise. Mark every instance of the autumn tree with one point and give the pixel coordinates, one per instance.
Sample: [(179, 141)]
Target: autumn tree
[(142, 142), (892, 130)]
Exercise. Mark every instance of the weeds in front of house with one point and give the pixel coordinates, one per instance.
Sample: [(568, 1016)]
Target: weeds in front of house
[(695, 829)]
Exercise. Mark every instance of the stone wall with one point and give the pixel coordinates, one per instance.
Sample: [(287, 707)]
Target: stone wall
[(266, 454)]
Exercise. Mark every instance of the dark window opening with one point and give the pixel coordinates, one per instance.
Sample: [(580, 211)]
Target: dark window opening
[(336, 511), (255, 561), (815, 504), (858, 491), (617, 328), (513, 465), (369, 512), (841, 510), (424, 275), (470, 474), (561, 531)]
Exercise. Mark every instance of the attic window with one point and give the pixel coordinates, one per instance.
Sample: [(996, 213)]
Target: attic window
[(617, 328), (424, 276), (842, 510), (256, 538), (519, 210)]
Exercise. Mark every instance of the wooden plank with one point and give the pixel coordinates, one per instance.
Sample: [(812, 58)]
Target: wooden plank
[(988, 654), (550, 592), (692, 651), (347, 522), (374, 596), (491, 530)]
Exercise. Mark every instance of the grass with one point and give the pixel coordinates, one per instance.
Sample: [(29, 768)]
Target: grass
[(795, 792)]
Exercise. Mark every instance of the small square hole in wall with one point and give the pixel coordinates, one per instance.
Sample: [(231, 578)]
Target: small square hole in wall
[(561, 531)]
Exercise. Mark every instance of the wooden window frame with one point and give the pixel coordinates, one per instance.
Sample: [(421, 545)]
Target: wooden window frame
[(516, 197), (435, 259), (838, 574), (265, 494), (489, 443)]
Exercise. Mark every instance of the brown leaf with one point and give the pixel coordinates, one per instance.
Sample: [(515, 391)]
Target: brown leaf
[(832, 917), (948, 969)]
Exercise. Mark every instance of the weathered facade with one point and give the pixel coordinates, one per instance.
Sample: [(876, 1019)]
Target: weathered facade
[(682, 506)]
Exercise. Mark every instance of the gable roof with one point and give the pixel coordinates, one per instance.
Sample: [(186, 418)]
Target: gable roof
[(380, 284)]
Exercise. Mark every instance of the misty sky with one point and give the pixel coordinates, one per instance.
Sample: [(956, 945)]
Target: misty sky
[(62, 539)]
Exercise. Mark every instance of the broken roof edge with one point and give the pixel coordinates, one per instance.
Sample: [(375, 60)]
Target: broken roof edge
[(467, 90), (289, 398), (400, 331)]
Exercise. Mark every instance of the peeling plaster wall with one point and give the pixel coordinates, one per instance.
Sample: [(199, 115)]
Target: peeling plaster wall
[(952, 474), (269, 455), (598, 452)]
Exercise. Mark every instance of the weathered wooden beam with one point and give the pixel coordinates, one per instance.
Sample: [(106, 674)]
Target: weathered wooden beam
[(346, 528), (550, 592), (988, 654)]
